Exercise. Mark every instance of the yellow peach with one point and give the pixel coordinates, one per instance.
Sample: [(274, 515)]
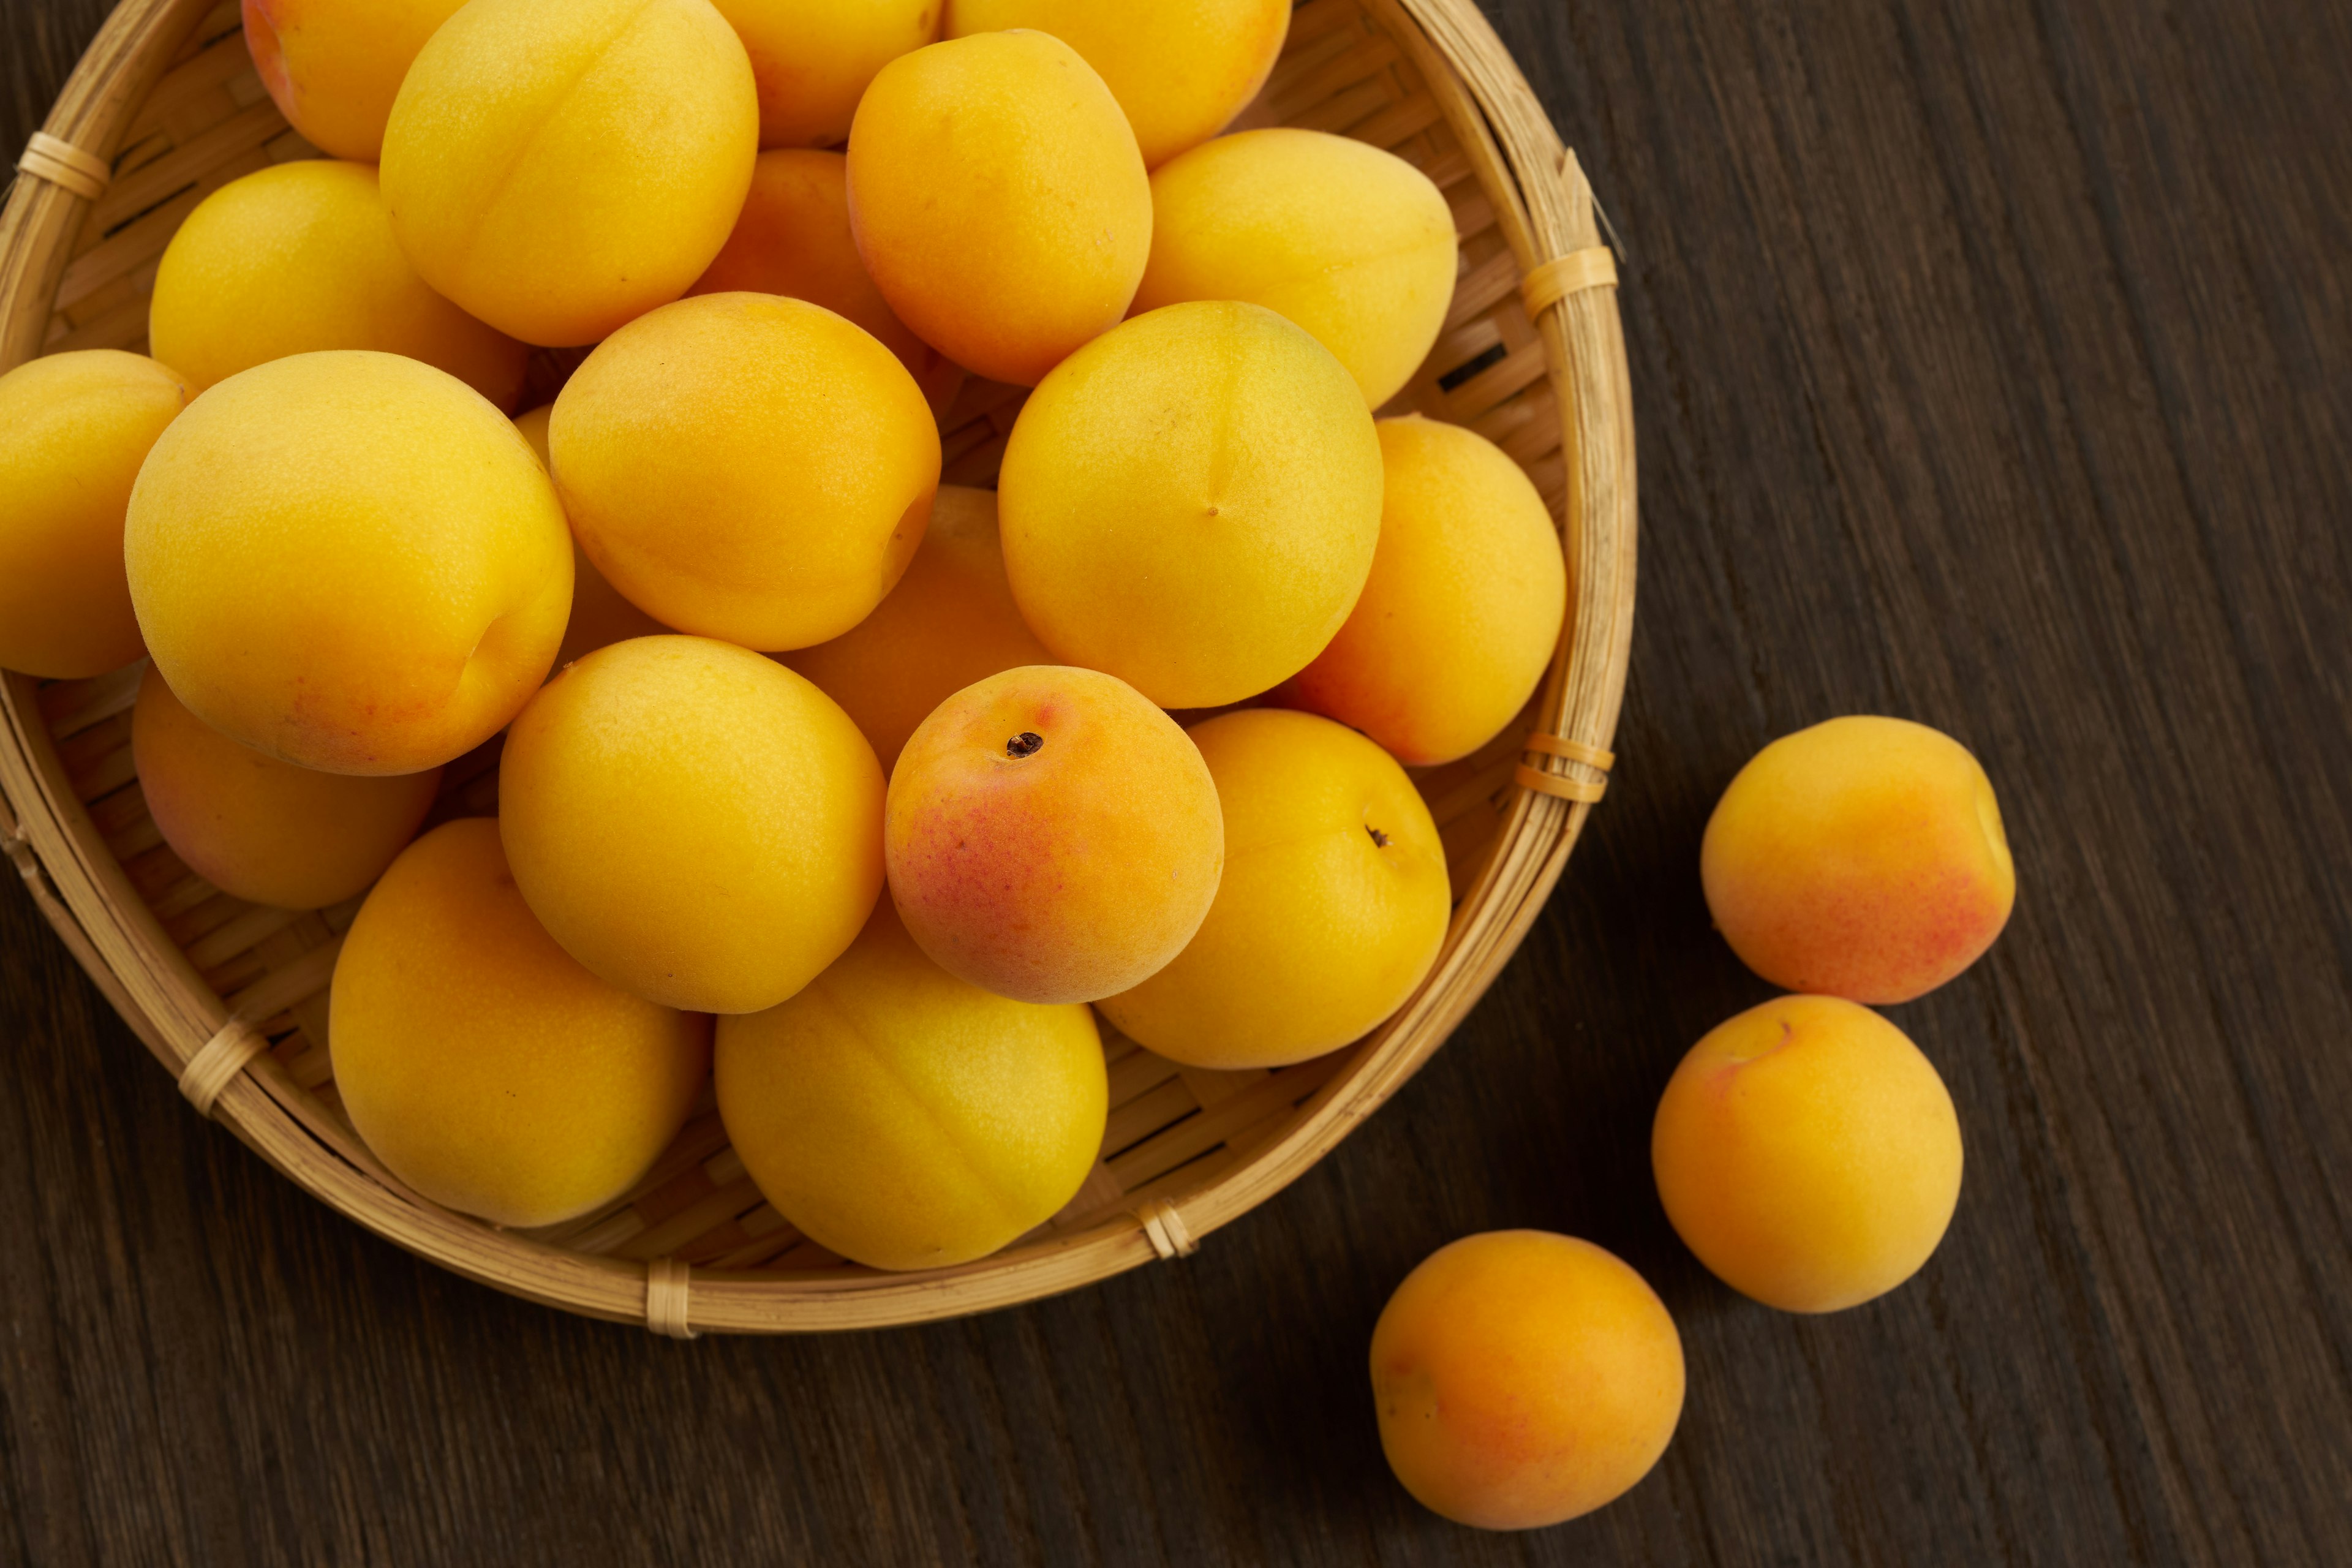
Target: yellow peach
[(300, 257), (1808, 1153), (1523, 1379), (695, 823), (600, 616), (813, 59), (794, 239), (1354, 244), (950, 622), (74, 428), (1181, 68), (1459, 620), (999, 200), (1862, 858), (1332, 909), (260, 829), (1192, 502), (482, 1065), (1052, 835), (349, 560), (906, 1118), (335, 66), (560, 167), (749, 467)]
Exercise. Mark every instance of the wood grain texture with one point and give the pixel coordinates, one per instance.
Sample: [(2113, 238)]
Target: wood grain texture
[(1990, 363)]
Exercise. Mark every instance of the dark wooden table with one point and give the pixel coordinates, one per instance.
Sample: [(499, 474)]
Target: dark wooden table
[(1992, 363)]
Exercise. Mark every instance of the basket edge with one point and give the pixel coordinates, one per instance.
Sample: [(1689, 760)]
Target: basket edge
[(1551, 213)]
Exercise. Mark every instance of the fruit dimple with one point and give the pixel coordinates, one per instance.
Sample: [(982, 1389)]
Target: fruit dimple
[(1756, 1046), (1026, 744)]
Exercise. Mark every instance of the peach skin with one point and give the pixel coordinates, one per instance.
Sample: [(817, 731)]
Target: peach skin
[(1192, 501), (74, 429), (335, 66), (694, 823), (794, 239), (349, 560), (950, 622), (483, 1067), (1052, 835), (1354, 244), (1459, 620), (999, 200), (600, 615), (745, 466), (813, 59), (1332, 907), (260, 829), (1179, 69), (300, 257), (560, 167), (1808, 1153), (1863, 857), (1523, 1378), (906, 1118)]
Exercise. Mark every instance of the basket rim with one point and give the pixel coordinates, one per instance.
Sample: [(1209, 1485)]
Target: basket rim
[(1545, 211)]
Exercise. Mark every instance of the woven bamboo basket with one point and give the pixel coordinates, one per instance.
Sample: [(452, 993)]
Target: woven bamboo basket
[(232, 997)]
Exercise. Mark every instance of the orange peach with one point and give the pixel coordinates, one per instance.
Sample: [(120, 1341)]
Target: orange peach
[(1333, 904), (560, 167), (349, 560), (600, 616), (1052, 835), (1180, 69), (906, 1118), (1808, 1153), (335, 66), (813, 59), (1192, 502), (260, 829), (695, 823), (300, 257), (749, 467), (950, 622), (74, 429), (1862, 858), (1524, 1378), (483, 1067), (1355, 245), (794, 239), (1459, 620), (999, 200)]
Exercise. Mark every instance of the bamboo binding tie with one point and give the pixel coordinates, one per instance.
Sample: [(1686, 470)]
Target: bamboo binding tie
[(62, 163), (1165, 1226), (218, 1061), (1591, 268), (666, 1290), (19, 845), (1564, 786)]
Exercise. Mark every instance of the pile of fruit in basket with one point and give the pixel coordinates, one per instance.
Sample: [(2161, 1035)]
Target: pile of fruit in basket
[(858, 787), (862, 791)]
